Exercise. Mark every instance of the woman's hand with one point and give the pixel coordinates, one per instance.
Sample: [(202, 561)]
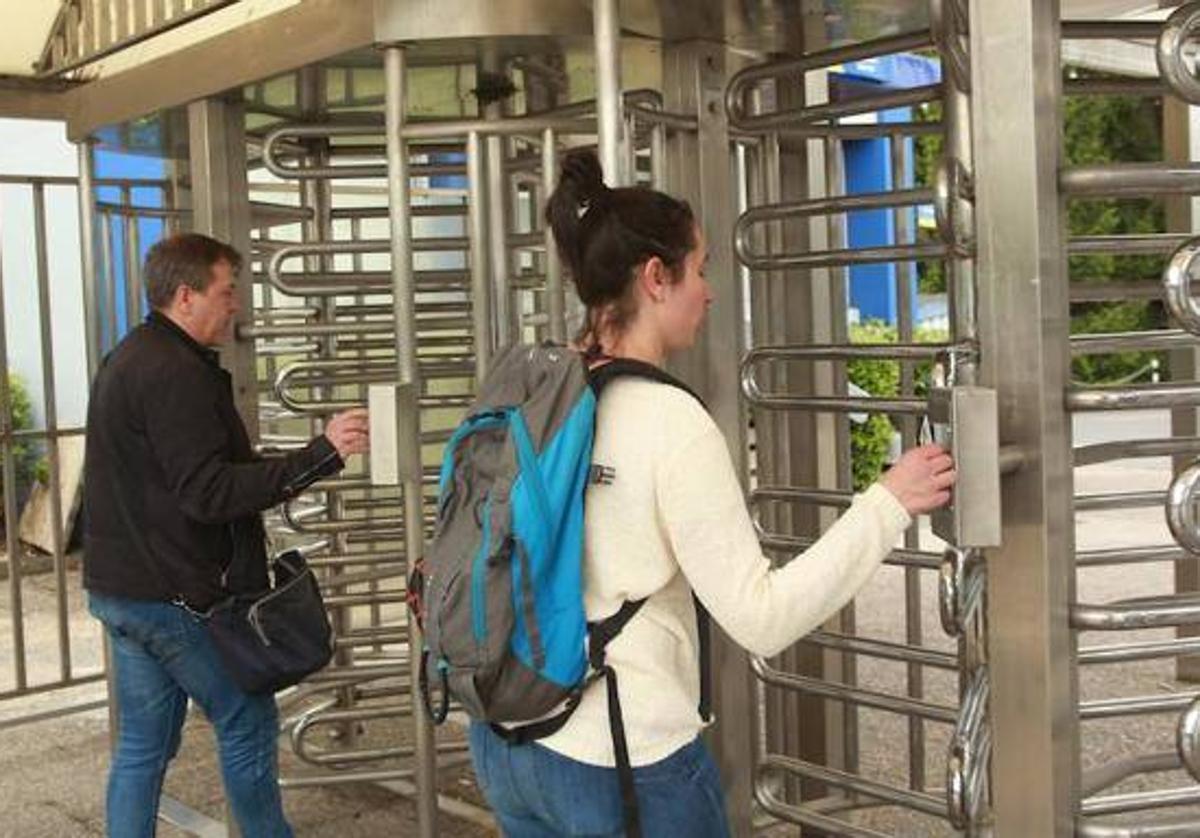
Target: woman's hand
[(921, 479)]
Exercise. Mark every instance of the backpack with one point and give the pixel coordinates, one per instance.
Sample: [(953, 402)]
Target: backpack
[(499, 595)]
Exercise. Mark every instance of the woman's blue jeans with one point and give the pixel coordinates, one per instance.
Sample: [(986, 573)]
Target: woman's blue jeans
[(162, 655), (537, 793)]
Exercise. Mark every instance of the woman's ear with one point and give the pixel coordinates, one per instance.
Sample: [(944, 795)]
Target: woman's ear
[(653, 277)]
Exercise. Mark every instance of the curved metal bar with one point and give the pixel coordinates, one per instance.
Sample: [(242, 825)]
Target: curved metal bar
[(969, 753), (916, 800), (1096, 780), (840, 404), (1187, 739), (1177, 30), (805, 815), (923, 559), (1170, 394), (276, 142), (883, 649), (1156, 612), (1181, 509), (743, 240), (853, 695), (961, 582), (739, 86), (1177, 286)]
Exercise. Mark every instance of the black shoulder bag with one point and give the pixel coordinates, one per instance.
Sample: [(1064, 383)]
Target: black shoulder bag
[(276, 638)]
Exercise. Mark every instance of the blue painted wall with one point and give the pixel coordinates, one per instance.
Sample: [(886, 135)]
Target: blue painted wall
[(868, 169)]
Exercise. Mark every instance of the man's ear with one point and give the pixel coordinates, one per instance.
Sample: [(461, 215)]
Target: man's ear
[(654, 279), (183, 296)]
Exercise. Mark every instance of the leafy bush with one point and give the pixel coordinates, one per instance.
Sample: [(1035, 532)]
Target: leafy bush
[(30, 466), (871, 441)]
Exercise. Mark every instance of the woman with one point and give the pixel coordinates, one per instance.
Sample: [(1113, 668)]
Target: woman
[(672, 521)]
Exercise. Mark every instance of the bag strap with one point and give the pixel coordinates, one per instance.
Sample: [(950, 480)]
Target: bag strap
[(601, 375), (599, 636)]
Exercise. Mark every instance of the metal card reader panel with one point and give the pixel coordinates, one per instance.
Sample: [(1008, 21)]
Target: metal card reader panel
[(392, 445), (964, 421)]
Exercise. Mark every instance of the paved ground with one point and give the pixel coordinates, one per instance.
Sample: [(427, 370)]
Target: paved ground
[(51, 772)]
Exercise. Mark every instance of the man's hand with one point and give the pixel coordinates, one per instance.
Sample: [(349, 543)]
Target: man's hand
[(349, 432)]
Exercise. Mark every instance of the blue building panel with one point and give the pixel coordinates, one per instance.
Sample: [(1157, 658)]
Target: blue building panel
[(868, 168)]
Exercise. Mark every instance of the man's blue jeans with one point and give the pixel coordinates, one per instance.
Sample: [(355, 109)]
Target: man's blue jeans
[(162, 655), (537, 793)]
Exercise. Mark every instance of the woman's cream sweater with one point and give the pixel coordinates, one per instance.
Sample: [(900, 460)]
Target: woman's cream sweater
[(673, 520)]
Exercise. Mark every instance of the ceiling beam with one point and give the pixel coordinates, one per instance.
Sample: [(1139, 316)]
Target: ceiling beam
[(308, 32)]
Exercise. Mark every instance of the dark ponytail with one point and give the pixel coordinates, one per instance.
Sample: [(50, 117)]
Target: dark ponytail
[(604, 235)]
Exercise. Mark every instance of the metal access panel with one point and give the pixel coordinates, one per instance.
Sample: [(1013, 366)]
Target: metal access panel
[(963, 420)]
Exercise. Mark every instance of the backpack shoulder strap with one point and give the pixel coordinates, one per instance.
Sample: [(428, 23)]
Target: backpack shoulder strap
[(600, 376)]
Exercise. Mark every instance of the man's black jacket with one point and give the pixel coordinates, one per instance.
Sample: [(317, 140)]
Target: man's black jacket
[(173, 490)]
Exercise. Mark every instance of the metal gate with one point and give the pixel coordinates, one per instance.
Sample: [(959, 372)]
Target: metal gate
[(822, 729)]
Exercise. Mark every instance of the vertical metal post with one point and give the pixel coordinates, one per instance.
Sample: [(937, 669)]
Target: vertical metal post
[(133, 270), (221, 208), (1016, 90), (960, 272), (497, 196), (658, 153), (87, 246), (901, 179), (1178, 139), (50, 408), (700, 171), (481, 319), (110, 281), (404, 307), (606, 28), (556, 304), (8, 468)]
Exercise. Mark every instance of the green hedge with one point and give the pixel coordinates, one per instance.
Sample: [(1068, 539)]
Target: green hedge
[(871, 440), (30, 464)]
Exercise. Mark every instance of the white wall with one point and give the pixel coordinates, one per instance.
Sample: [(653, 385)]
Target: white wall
[(31, 147)]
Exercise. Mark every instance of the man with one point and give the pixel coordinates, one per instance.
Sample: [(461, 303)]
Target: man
[(171, 503)]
